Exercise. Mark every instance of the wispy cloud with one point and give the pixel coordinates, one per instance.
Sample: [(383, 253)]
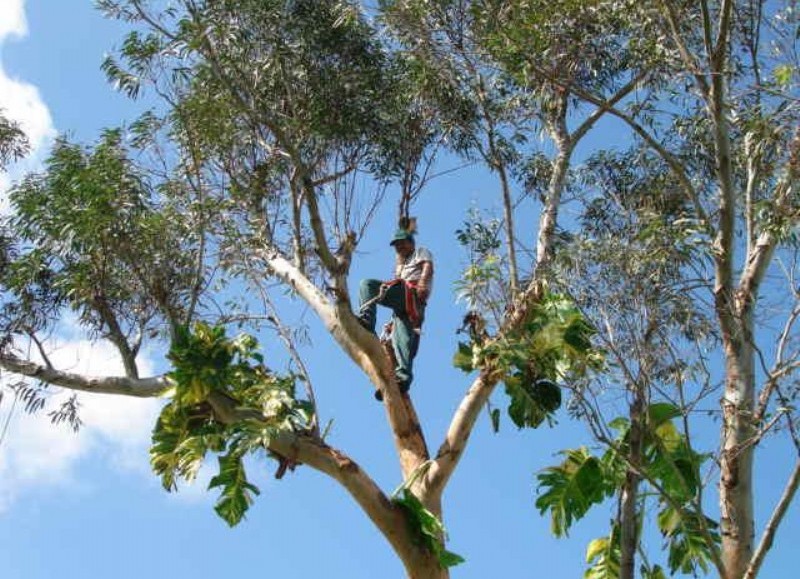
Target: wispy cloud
[(21, 102), (36, 454), (12, 19)]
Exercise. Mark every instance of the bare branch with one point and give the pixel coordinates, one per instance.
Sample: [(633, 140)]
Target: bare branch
[(458, 434), (688, 59), (124, 385), (774, 522), (675, 165), (283, 332), (612, 101)]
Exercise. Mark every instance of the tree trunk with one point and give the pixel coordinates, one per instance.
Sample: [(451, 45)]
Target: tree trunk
[(736, 465), (508, 214), (426, 568), (560, 166), (629, 535)]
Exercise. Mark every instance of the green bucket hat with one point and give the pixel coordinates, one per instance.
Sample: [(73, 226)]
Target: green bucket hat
[(400, 235)]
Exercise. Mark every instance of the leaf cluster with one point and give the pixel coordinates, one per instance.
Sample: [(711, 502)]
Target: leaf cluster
[(552, 346), (13, 142), (91, 232), (481, 284), (590, 44), (206, 362), (669, 465), (603, 556)]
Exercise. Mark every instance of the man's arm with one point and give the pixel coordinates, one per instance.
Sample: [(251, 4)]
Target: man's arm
[(424, 283)]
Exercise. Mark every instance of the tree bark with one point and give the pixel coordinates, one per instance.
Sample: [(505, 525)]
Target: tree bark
[(736, 464), (549, 218), (629, 535)]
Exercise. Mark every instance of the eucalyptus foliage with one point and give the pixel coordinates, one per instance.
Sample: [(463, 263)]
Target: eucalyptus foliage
[(13, 141)]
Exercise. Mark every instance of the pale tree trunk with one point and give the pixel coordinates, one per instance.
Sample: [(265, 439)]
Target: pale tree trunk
[(738, 428), (736, 464), (549, 217), (733, 306)]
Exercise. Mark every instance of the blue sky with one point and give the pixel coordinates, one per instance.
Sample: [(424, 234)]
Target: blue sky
[(86, 505)]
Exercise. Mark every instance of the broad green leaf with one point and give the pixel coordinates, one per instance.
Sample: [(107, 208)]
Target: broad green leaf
[(237, 493), (596, 548), (688, 547), (661, 412), (603, 557), (462, 359), (571, 488), (668, 436), (428, 528), (578, 335), (525, 409)]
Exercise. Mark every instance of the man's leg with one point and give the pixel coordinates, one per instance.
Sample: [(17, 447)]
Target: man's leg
[(405, 342), (370, 289)]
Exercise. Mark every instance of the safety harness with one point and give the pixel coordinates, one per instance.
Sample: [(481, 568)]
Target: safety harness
[(413, 305), (414, 309)]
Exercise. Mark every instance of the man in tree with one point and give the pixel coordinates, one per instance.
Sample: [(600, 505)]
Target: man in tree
[(407, 296)]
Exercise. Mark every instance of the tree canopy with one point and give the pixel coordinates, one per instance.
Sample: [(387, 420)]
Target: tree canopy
[(632, 280)]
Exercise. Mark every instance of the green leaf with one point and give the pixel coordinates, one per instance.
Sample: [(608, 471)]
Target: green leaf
[(596, 548), (603, 556), (449, 559), (668, 436), (237, 493), (622, 425), (524, 409), (462, 359), (531, 403), (783, 74), (688, 547), (427, 528), (578, 335), (571, 488), (655, 573), (661, 412), (495, 417)]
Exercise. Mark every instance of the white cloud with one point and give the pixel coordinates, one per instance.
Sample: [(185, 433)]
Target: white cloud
[(36, 454), (12, 19), (116, 429), (21, 102)]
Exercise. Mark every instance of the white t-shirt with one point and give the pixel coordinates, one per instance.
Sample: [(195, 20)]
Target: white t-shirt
[(410, 269)]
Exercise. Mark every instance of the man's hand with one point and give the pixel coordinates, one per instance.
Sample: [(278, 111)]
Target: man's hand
[(423, 292)]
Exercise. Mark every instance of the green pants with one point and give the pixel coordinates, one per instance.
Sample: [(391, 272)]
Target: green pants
[(405, 339)]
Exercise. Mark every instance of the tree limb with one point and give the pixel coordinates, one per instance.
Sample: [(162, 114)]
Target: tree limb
[(686, 56), (674, 164), (365, 350), (463, 421), (387, 517), (772, 525), (124, 385)]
